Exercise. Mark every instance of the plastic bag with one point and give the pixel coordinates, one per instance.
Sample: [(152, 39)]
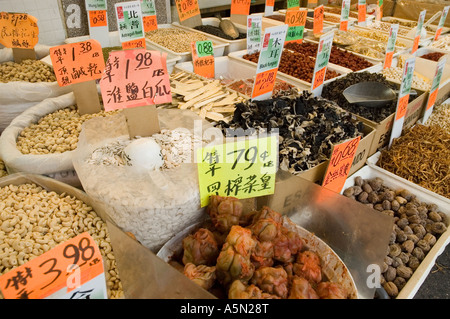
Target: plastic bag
[(58, 166), (153, 205), (17, 96)]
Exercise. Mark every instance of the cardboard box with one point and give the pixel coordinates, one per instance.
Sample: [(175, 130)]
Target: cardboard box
[(410, 9)]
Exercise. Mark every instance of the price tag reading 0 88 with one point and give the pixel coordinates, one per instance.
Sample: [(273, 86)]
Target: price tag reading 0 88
[(51, 272), (204, 48)]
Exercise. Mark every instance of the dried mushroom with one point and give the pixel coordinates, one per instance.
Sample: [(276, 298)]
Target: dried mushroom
[(308, 127)]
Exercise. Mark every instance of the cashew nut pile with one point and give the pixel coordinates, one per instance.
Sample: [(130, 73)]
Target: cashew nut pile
[(442, 43), (33, 221), (175, 39), (28, 70), (3, 171), (56, 132)]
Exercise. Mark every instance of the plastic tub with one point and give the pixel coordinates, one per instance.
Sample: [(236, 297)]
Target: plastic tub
[(301, 84), (233, 45), (413, 284), (218, 46)]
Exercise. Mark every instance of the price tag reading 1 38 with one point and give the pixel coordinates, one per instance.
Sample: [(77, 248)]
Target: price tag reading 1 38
[(71, 270), (243, 169)]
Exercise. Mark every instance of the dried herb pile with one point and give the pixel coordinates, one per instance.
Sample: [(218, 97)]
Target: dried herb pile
[(308, 127), (333, 91), (422, 156)]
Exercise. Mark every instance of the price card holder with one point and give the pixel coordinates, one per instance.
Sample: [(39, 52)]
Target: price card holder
[(243, 169), (418, 31), (345, 13), (268, 10), (130, 24), (321, 64), (340, 163), (318, 20), (403, 99), (135, 79), (434, 88), (296, 20), (390, 47), (268, 62), (20, 32), (79, 64), (362, 12), (71, 270), (239, 11), (254, 30), (149, 15), (441, 23), (189, 13), (97, 12), (203, 58)]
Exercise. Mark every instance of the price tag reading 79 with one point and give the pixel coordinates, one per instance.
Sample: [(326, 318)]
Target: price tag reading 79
[(59, 273), (242, 169)]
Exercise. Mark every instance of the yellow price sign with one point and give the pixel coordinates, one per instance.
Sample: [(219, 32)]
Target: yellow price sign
[(241, 169)]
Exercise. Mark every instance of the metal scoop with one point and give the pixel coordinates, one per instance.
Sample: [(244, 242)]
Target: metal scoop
[(228, 27), (371, 94)]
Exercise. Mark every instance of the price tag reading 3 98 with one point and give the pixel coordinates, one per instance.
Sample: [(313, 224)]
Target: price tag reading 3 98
[(71, 270)]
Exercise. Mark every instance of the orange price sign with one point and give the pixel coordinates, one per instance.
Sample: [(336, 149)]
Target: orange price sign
[(270, 3), (97, 18), (390, 47), (58, 273), (264, 82), (187, 9), (18, 30), (318, 20), (319, 78), (402, 106), (362, 11), (388, 60), (203, 58), (240, 7), (150, 23), (296, 20), (133, 78), (134, 44), (77, 62), (340, 163)]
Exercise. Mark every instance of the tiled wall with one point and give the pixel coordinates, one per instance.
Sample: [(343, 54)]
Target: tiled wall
[(51, 29)]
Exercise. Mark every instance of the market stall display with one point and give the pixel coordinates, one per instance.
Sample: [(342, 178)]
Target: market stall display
[(55, 212), (41, 140), (256, 254), (419, 233), (308, 127), (421, 155)]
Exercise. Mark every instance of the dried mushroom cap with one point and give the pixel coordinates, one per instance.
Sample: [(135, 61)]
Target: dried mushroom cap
[(308, 127)]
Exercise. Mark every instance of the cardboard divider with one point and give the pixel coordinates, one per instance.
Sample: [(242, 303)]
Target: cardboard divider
[(86, 96), (23, 54), (142, 121)]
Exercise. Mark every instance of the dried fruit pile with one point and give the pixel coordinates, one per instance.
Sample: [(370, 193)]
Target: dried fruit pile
[(417, 227), (308, 127), (252, 255)]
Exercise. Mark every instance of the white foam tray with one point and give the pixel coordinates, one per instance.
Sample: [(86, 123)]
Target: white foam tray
[(218, 45), (421, 273), (303, 85)]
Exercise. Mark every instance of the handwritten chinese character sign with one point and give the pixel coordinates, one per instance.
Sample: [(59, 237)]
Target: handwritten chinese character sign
[(18, 30), (243, 169), (134, 78), (77, 62)]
